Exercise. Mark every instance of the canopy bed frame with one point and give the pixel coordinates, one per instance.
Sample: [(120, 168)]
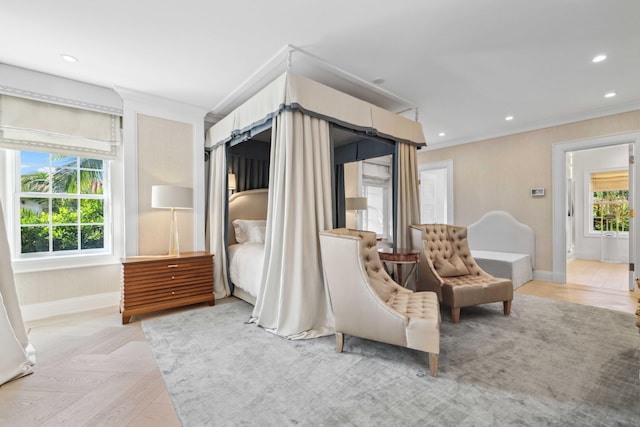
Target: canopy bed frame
[(302, 118)]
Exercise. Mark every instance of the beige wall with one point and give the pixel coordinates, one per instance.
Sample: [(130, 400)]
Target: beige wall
[(165, 156), (499, 173), (51, 285)]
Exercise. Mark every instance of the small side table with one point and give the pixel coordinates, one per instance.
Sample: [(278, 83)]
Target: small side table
[(398, 258)]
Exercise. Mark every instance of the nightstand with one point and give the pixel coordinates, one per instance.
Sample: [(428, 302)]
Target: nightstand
[(152, 283)]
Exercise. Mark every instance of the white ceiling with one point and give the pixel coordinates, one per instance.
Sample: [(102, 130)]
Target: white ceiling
[(466, 64)]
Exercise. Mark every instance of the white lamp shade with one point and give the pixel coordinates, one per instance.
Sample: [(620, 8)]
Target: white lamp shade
[(171, 196), (356, 203)]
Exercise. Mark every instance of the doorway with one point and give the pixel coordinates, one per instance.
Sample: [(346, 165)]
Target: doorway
[(598, 216), (594, 229)]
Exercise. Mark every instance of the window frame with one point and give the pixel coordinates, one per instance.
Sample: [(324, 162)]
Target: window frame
[(51, 196), (588, 217), (387, 197), (39, 261), (386, 209)]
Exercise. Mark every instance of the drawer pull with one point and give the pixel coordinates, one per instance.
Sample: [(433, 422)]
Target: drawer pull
[(172, 266), (173, 293), (173, 277)]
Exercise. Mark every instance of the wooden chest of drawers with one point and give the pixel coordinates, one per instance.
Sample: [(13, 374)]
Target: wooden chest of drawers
[(157, 283)]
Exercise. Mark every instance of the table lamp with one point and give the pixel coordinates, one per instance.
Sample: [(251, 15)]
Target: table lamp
[(355, 204), (172, 197)]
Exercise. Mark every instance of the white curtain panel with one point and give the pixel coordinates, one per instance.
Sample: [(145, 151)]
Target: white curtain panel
[(14, 361), (294, 301), (408, 199), (218, 194)]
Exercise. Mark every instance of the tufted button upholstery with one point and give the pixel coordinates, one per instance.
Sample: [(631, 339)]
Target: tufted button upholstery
[(366, 302), (382, 284), (477, 287)]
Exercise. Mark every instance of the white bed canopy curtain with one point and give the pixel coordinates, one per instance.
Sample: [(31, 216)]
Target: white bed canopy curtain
[(293, 301), (16, 355), (300, 205), (216, 222)]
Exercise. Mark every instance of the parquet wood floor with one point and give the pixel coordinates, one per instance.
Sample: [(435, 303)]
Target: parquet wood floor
[(93, 371), (604, 275)]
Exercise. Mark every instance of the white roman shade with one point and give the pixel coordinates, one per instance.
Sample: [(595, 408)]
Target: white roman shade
[(27, 124), (610, 181), (376, 173)]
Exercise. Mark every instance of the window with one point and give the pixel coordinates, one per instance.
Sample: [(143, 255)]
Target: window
[(377, 188), (56, 184), (62, 204), (609, 200)]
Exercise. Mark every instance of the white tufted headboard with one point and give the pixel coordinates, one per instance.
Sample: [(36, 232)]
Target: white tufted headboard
[(499, 231)]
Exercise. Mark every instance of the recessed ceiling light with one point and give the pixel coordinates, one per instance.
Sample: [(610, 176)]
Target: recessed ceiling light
[(610, 94), (441, 134), (69, 58), (508, 118), (378, 81), (599, 58)]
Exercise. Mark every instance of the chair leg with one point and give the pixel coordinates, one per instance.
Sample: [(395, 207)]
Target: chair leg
[(506, 305), (433, 364), (455, 314), (339, 342)]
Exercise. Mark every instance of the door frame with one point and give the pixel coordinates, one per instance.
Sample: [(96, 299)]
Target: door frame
[(558, 155)]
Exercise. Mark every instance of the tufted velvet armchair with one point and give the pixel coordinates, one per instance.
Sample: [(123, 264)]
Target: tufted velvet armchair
[(447, 268), (367, 303)]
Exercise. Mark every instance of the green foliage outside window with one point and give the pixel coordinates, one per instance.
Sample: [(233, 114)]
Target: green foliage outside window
[(611, 210), (61, 205)]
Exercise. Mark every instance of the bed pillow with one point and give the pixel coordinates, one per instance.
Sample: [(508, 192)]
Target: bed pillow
[(450, 267), (250, 230)]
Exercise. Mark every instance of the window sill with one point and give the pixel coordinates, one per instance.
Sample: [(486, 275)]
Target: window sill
[(597, 235), (33, 265)]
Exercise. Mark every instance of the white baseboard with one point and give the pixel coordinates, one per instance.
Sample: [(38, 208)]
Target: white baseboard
[(69, 306), (543, 275)]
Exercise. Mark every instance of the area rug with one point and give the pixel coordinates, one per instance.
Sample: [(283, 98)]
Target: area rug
[(549, 363)]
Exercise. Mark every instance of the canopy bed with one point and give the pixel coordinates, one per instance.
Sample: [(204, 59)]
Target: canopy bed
[(299, 121)]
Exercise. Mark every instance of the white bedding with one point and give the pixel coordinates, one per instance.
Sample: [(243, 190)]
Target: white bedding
[(245, 266)]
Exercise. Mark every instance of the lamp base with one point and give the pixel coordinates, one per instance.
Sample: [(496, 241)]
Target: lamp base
[(174, 244)]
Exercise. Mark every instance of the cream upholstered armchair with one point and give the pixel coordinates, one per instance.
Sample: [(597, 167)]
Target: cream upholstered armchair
[(447, 268), (367, 303)]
